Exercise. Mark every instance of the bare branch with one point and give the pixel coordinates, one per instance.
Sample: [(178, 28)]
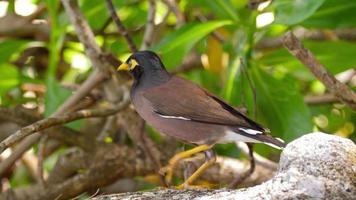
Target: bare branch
[(340, 90), (54, 121), (27, 143), (18, 152), (13, 25), (40, 159), (215, 34), (304, 34), (93, 81), (192, 61), (120, 26), (150, 25), (260, 160), (321, 99), (85, 34), (110, 126), (67, 164), (172, 5), (103, 168), (99, 59), (29, 160)]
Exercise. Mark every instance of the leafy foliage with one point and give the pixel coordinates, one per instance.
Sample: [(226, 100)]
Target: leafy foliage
[(293, 12), (223, 33)]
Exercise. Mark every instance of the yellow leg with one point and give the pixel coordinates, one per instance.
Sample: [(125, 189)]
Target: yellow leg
[(197, 173), (168, 170)]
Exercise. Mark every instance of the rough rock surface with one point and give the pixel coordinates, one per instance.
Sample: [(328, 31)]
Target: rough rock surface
[(315, 166)]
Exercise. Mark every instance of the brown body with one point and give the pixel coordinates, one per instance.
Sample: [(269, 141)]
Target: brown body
[(191, 132), (183, 107)]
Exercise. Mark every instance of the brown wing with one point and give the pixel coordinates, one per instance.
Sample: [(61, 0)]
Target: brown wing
[(182, 98)]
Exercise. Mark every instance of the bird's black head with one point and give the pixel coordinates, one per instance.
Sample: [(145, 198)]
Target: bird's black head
[(145, 66)]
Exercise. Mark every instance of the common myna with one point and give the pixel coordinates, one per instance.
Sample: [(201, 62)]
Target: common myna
[(179, 108)]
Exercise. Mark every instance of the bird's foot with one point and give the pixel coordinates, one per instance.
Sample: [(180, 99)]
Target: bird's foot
[(167, 172)]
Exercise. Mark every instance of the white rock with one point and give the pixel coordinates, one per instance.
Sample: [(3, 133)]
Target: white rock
[(315, 166)]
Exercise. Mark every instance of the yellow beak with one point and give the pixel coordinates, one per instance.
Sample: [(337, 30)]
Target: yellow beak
[(123, 67)]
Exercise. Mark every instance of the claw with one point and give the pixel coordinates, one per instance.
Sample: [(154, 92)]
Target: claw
[(167, 172)]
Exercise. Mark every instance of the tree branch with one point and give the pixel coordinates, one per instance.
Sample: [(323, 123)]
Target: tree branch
[(27, 143), (320, 99), (304, 34), (150, 25), (340, 90), (172, 5), (120, 26), (54, 121)]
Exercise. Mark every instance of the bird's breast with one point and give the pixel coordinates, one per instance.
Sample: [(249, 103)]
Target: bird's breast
[(179, 128)]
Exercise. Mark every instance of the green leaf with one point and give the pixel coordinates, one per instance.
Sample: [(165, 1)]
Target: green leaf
[(228, 9), (55, 96), (281, 105), (222, 9), (95, 12), (9, 77), (20, 177), (9, 47), (336, 56), (178, 43), (56, 37), (238, 90), (188, 34), (292, 12), (333, 14)]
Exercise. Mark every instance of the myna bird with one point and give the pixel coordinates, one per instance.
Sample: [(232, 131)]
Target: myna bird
[(179, 108)]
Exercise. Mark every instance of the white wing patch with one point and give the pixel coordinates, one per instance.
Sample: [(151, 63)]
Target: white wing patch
[(173, 117), (272, 145), (250, 131), (231, 136)]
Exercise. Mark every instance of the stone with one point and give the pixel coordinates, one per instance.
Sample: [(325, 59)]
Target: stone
[(312, 167)]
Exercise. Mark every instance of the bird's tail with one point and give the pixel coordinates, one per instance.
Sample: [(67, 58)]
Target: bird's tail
[(271, 141), (262, 137)]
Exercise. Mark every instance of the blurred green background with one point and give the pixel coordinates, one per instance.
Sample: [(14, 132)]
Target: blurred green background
[(37, 67)]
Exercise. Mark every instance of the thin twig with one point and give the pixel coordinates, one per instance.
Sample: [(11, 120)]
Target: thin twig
[(54, 121), (320, 99), (250, 170), (215, 34), (260, 160), (340, 90), (105, 25), (120, 26), (304, 34), (252, 86), (109, 127), (93, 80), (150, 25), (40, 159), (172, 5), (29, 160), (191, 62)]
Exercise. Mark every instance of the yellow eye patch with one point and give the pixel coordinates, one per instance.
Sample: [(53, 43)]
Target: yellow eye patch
[(128, 66), (133, 64)]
